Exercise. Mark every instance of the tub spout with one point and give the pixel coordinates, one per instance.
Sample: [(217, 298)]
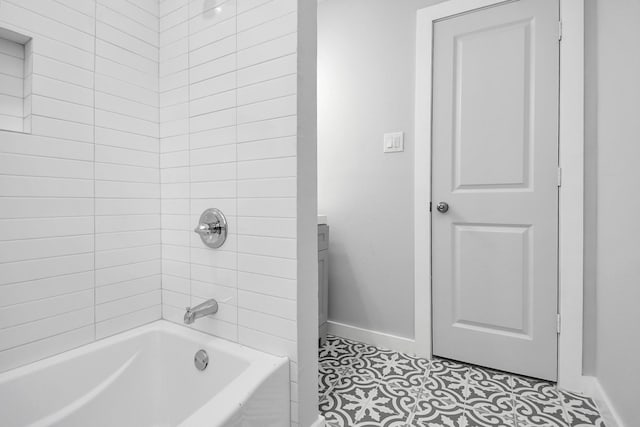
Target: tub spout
[(206, 308)]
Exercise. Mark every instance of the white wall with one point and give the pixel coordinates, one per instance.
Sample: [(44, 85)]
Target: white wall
[(616, 91), (229, 79), (366, 65), (79, 216)]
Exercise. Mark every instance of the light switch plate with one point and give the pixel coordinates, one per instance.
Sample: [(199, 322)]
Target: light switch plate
[(393, 142)]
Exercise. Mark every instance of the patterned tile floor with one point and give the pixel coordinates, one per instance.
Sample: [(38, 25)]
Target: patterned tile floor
[(361, 385)]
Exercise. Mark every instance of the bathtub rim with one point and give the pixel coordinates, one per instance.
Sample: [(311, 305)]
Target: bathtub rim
[(219, 407)]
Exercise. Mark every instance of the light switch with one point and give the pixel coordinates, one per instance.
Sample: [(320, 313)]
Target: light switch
[(393, 142)]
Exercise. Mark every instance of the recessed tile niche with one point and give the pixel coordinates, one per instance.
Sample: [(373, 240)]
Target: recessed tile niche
[(15, 81)]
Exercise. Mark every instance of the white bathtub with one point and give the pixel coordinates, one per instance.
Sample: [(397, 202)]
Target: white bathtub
[(146, 377)]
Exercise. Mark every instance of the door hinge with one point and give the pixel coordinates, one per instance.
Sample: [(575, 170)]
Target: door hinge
[(559, 30), (559, 177), (558, 323)]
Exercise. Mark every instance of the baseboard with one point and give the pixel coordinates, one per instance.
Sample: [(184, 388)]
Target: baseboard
[(379, 339), (319, 422), (594, 389)]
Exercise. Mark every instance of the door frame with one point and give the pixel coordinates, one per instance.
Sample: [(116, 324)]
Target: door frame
[(571, 194)]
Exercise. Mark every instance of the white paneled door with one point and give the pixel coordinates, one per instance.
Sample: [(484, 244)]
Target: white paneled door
[(495, 167)]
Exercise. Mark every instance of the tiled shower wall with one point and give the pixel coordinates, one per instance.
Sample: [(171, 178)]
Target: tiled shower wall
[(80, 195), (228, 135), (145, 113)]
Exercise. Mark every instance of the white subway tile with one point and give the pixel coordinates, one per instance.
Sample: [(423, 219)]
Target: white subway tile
[(117, 155), (212, 190), (58, 89), (126, 256), (213, 85), (21, 207), (19, 356), (19, 143), (120, 139), (269, 265), (128, 272), (274, 128), (126, 239), (121, 20), (268, 168), (18, 314), (120, 307), (217, 67), (113, 172), (175, 222), (267, 342), (208, 17), (120, 223), (273, 325), (29, 249), (127, 190), (270, 89), (215, 172), (212, 34), (56, 128), (273, 208), (121, 55), (265, 12), (268, 50), (176, 299), (217, 102), (225, 295), (127, 321), (27, 186), (269, 227), (126, 89), (268, 246), (213, 50), (44, 289), (269, 30), (14, 164), (30, 228), (175, 253), (213, 137), (129, 207), (267, 285), (132, 10), (174, 175), (275, 306), (210, 325), (176, 237), (212, 275), (127, 289), (115, 104), (176, 284), (37, 330), (265, 71)]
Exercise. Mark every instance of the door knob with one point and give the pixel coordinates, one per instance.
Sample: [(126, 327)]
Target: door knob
[(442, 207)]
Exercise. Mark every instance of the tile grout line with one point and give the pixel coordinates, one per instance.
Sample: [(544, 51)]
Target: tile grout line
[(95, 273)]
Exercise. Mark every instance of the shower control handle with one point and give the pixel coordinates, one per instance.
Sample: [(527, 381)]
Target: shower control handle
[(206, 229), (442, 207), (212, 228)]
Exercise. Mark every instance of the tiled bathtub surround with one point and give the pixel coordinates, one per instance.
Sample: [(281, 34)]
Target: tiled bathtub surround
[(361, 385), (228, 135), (79, 196), (145, 113)]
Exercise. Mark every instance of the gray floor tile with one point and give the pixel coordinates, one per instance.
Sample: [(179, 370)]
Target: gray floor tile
[(364, 386)]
